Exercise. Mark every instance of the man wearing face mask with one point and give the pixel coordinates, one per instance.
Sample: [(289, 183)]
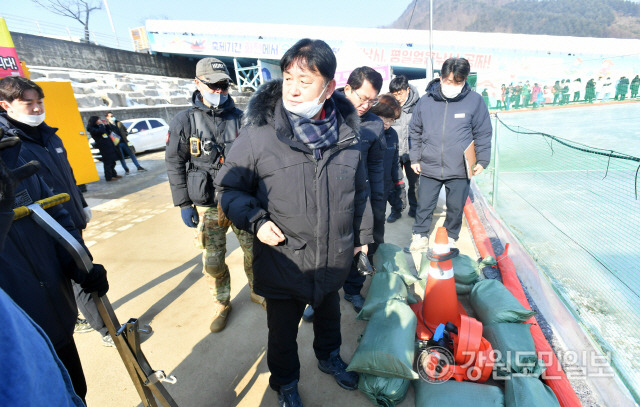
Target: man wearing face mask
[(445, 121), (24, 115), (295, 177), (198, 142)]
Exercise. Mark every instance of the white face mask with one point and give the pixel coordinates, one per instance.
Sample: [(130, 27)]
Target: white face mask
[(307, 109), (450, 91), (30, 119), (215, 99)]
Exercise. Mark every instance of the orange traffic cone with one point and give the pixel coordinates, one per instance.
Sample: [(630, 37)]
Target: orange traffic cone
[(440, 304)]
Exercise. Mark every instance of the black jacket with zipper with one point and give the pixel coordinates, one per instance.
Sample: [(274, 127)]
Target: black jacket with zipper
[(322, 207), (442, 128), (191, 175)]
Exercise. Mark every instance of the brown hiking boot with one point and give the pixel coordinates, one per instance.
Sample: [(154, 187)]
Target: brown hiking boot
[(258, 299), (220, 314)]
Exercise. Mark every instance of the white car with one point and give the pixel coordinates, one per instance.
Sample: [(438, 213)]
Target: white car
[(144, 135)]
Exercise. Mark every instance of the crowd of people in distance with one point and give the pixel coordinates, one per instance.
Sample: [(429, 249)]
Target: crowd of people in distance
[(563, 92)]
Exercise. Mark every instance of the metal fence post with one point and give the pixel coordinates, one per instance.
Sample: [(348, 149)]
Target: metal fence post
[(496, 162)]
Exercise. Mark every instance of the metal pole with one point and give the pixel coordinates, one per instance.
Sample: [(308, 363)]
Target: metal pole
[(106, 6), (431, 39), (496, 162)]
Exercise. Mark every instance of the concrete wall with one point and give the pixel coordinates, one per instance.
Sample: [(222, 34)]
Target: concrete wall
[(42, 51)]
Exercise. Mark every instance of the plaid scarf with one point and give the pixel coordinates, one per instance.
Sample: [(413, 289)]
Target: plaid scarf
[(316, 134)]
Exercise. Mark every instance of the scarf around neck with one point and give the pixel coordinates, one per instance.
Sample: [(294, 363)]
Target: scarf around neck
[(319, 134)]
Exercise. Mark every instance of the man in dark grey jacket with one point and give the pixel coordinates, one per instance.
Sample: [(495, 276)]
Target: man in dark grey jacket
[(294, 177), (445, 121), (408, 97)]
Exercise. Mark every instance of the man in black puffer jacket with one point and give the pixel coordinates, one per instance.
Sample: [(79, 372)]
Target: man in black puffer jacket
[(445, 121), (295, 178)]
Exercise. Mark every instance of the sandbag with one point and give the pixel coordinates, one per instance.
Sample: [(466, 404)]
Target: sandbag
[(514, 348), (391, 258), (384, 286), (453, 393), (493, 303), (528, 391), (387, 346), (465, 269), (383, 391)]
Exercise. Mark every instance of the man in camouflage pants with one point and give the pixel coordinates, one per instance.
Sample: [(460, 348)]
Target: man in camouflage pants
[(212, 237), (198, 141)]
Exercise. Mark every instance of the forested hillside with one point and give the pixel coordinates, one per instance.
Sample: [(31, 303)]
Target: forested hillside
[(579, 18)]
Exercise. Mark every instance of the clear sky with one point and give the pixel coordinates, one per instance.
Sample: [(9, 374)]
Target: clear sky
[(133, 13)]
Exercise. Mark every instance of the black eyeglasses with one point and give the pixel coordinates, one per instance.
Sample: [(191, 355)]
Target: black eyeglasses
[(222, 85)]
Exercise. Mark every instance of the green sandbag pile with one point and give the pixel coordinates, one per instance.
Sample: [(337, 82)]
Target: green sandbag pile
[(514, 349), (493, 304), (383, 391), (466, 271), (391, 281), (385, 355), (528, 391), (387, 346), (453, 393), (385, 286)]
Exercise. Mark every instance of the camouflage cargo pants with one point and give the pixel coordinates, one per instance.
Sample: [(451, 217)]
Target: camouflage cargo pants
[(213, 239)]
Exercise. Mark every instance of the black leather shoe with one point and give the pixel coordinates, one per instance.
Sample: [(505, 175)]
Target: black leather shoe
[(336, 366), (288, 395), (393, 216)]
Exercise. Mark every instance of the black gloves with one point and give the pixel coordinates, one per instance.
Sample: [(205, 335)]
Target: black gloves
[(96, 281), (9, 179)]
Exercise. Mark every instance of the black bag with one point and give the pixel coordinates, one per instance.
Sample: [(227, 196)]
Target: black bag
[(199, 187)]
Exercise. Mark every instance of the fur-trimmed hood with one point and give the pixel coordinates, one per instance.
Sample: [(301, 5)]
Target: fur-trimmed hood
[(262, 105)]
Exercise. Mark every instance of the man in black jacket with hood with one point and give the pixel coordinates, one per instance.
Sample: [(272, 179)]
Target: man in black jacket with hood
[(295, 178), (445, 122), (199, 139)]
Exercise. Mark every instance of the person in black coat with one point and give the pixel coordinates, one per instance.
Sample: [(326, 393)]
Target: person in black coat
[(21, 99), (37, 270), (389, 110), (100, 134), (295, 178), (446, 120)]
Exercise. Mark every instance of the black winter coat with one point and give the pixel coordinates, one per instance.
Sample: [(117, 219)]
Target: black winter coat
[(190, 185), (43, 145), (100, 134), (441, 129), (392, 173), (372, 146), (35, 269), (321, 206)]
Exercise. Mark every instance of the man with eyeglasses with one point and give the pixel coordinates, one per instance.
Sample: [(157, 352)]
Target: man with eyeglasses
[(362, 89), (445, 122), (198, 141)]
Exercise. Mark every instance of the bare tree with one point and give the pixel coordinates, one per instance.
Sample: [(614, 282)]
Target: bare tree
[(79, 10)]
